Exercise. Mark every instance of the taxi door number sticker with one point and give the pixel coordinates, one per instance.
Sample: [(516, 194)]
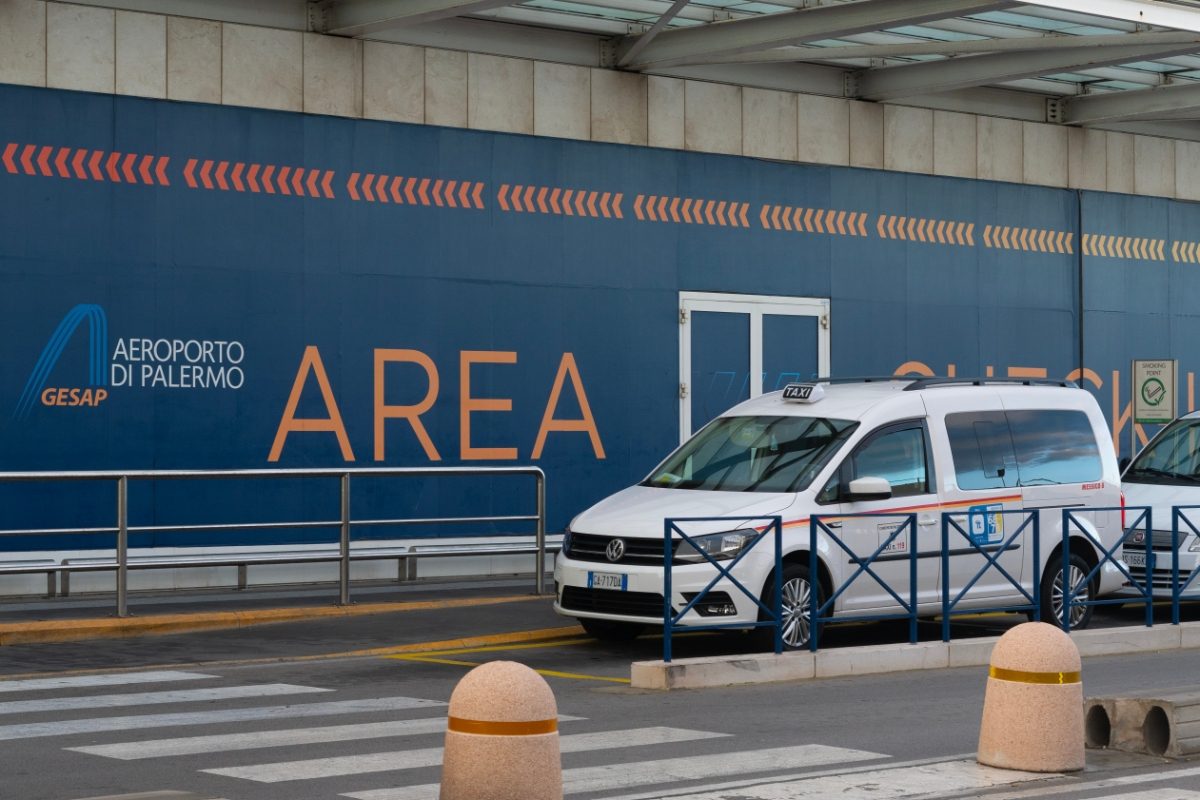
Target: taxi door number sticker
[(986, 524)]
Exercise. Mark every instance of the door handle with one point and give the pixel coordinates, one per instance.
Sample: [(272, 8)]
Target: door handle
[(925, 522), (832, 524)]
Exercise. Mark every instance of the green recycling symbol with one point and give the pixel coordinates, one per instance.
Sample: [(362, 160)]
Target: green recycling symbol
[(1153, 391)]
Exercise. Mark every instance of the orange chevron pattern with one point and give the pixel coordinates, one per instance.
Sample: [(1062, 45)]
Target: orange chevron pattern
[(83, 164), (239, 176), (1006, 237), (1187, 252), (692, 211), (933, 231), (1106, 246), (813, 220), (564, 202), (438, 192)]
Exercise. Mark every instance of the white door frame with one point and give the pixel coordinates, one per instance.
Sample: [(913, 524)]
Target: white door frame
[(755, 306)]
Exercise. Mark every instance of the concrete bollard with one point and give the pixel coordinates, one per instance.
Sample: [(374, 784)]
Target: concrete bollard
[(1033, 707), (502, 737)]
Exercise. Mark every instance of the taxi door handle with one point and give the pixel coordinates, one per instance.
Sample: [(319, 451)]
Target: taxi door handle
[(926, 521)]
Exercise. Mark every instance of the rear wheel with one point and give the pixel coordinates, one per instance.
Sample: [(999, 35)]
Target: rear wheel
[(607, 630), (796, 608), (1053, 596)]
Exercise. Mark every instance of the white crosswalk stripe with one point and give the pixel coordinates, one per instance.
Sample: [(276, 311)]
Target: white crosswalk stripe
[(31, 730), (92, 681), (668, 770), (219, 743), (153, 698), (432, 756)]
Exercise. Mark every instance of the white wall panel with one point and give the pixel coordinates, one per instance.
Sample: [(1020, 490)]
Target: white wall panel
[(1120, 162), (1044, 154), (333, 75), (619, 107), (866, 135), (262, 67), (499, 93), (1087, 159), (954, 144), (23, 42), (1153, 166), (769, 124), (445, 88), (393, 82), (908, 139), (80, 48), (141, 54), (562, 101), (193, 60), (665, 112), (999, 149), (712, 117), (823, 127)]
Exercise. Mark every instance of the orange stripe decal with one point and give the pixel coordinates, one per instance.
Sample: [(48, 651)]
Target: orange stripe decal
[(486, 728)]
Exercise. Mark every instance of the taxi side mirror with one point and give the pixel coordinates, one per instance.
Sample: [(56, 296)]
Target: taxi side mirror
[(869, 488)]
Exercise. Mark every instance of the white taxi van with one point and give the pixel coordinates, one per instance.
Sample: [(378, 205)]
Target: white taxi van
[(899, 445), (1166, 474)]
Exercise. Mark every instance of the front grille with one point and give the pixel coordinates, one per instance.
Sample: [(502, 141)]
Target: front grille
[(609, 601), (590, 547), (1159, 540), (1162, 578)]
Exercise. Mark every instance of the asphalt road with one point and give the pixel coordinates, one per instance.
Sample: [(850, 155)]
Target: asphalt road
[(288, 712)]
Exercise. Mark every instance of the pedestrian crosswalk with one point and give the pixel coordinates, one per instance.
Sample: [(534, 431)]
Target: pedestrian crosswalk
[(310, 742)]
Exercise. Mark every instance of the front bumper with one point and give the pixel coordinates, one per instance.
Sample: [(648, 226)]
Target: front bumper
[(641, 600)]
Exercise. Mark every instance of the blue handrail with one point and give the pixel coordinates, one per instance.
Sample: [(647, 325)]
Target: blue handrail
[(991, 553), (1107, 556)]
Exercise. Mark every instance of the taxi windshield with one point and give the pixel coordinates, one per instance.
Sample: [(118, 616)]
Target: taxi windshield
[(1172, 458), (754, 454)]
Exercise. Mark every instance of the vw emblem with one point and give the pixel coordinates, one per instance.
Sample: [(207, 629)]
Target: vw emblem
[(615, 549)]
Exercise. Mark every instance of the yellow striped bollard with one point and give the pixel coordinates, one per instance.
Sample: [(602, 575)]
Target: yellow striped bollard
[(502, 737), (1033, 707)]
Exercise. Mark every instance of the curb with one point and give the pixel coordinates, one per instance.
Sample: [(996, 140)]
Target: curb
[(118, 627), (712, 672)]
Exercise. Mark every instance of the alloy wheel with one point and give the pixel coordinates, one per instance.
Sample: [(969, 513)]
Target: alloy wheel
[(797, 599), (1081, 595)]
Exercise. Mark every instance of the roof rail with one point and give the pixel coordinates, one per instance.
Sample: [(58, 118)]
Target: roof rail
[(865, 379), (929, 383)]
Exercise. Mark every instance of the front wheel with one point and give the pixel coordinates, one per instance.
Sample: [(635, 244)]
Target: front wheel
[(797, 597), (1053, 595)]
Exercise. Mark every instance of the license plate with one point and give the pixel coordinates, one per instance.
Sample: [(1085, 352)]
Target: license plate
[(1134, 559), (608, 580)]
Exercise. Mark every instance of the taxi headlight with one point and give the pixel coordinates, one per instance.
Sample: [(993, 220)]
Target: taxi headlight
[(718, 546)]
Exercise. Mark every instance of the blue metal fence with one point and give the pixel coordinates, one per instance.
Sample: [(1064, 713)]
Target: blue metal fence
[(775, 614), (1075, 594)]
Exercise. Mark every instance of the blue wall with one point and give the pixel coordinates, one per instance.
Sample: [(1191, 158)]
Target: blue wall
[(278, 274)]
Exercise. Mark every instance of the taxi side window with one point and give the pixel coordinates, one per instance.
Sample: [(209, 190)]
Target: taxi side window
[(897, 455)]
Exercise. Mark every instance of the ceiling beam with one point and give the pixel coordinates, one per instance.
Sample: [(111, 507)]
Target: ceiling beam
[(1145, 12), (361, 17), (646, 38), (694, 45), (1167, 102), (930, 77), (956, 48)]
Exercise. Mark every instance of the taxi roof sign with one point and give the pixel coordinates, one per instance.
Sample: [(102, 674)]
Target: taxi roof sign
[(803, 392)]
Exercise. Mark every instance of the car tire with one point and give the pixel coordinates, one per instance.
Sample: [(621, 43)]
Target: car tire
[(607, 630), (797, 607), (1052, 591)]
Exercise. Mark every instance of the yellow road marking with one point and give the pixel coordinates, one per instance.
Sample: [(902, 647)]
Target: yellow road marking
[(549, 673), (502, 647)]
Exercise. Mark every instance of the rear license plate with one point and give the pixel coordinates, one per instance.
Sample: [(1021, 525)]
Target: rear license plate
[(1134, 559), (608, 580)]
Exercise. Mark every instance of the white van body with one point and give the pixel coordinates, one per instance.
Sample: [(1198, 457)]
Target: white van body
[(1164, 475), (610, 572)]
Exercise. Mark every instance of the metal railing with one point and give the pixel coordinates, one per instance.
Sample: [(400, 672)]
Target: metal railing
[(670, 542), (344, 523), (1029, 531)]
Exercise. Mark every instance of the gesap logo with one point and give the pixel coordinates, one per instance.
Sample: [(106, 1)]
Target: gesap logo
[(91, 395), (134, 362)]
